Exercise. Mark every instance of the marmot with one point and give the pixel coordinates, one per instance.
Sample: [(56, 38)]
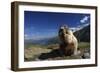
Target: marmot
[(68, 42)]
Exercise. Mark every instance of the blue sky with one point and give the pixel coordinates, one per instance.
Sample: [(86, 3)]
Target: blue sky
[(39, 25)]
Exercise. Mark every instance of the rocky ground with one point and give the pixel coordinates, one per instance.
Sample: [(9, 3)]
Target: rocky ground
[(38, 53)]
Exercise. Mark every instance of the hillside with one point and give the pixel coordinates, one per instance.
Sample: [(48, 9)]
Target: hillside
[(83, 35)]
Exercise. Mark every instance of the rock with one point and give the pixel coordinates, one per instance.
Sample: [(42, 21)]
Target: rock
[(86, 54)]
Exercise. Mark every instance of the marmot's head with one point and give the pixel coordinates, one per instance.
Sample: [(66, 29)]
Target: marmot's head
[(64, 30), (64, 33), (68, 42)]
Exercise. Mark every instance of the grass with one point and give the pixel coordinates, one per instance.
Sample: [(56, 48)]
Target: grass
[(33, 51), (84, 46)]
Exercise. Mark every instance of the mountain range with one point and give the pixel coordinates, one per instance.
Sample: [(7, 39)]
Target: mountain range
[(83, 35)]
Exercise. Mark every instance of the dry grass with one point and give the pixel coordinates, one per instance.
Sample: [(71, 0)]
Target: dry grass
[(33, 51)]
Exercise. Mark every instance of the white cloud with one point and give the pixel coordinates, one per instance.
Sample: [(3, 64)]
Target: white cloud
[(74, 29), (84, 19), (86, 24), (25, 35), (37, 36)]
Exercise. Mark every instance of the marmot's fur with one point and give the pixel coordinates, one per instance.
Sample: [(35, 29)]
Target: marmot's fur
[(69, 43)]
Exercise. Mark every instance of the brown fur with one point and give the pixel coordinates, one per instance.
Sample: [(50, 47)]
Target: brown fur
[(69, 42)]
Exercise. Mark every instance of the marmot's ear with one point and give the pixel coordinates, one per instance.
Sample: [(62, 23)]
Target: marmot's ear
[(62, 27)]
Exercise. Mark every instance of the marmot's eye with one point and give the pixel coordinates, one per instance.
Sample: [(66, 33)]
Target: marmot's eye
[(67, 32)]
